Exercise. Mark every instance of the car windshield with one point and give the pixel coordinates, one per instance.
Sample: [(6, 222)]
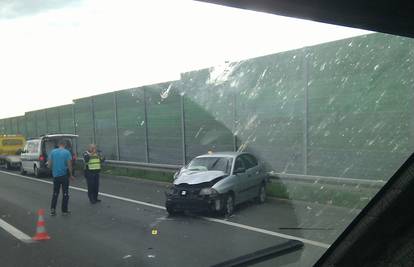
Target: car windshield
[(211, 164), (316, 117)]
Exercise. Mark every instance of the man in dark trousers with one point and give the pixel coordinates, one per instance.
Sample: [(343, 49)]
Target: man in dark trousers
[(60, 161), (93, 161)]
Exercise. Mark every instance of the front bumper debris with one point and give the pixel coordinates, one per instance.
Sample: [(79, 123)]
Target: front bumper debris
[(192, 202)]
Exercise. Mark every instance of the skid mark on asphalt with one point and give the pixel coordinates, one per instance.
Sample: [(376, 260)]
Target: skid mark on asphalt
[(225, 222)]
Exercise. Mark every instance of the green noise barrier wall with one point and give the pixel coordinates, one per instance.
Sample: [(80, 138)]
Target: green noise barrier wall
[(341, 109)]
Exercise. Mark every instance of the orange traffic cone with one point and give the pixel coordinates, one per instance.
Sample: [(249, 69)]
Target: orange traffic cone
[(41, 233)]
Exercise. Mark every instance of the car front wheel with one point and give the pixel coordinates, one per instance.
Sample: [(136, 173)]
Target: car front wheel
[(228, 208)]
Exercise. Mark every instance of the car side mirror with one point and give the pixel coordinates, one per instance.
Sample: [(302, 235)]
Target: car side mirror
[(239, 170)]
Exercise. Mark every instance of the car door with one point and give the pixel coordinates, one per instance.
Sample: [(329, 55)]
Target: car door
[(253, 175), (31, 156), (242, 183)]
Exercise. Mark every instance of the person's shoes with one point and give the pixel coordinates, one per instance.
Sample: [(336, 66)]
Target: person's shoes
[(52, 212), (92, 201), (98, 200), (66, 213)]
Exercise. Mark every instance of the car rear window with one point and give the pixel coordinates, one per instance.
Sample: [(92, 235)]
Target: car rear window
[(33, 147)]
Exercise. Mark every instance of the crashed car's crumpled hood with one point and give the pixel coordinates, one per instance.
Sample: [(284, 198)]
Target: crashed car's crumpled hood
[(198, 177)]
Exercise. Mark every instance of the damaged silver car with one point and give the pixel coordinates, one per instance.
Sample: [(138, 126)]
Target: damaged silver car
[(217, 182)]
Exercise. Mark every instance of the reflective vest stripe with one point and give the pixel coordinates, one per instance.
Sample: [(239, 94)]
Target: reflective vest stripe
[(94, 163)]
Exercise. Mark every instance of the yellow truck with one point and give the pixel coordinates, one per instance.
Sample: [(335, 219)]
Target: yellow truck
[(10, 148)]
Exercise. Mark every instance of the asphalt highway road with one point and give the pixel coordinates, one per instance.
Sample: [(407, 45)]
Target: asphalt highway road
[(119, 230)]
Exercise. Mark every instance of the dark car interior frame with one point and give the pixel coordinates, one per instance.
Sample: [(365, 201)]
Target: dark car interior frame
[(383, 233)]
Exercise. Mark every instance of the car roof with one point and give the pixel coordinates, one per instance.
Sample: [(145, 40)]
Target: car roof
[(229, 154), (53, 136)]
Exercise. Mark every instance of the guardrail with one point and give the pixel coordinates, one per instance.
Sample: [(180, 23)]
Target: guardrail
[(327, 180), (142, 165), (273, 175)]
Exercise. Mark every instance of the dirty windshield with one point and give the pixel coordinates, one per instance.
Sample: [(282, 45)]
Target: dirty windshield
[(307, 121)]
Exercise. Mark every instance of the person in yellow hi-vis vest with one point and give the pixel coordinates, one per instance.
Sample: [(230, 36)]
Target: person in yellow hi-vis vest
[(93, 161)]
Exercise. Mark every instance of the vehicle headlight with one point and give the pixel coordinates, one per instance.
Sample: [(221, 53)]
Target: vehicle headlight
[(208, 192)]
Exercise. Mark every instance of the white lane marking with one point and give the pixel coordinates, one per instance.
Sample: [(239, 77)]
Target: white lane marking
[(84, 190), (267, 232), (15, 232), (238, 225), (133, 201)]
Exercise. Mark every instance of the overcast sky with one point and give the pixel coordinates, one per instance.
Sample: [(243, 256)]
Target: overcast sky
[(53, 51)]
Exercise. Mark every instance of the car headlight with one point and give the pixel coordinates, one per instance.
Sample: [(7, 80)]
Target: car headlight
[(208, 192)]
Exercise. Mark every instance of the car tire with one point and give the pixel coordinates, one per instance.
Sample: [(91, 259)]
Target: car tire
[(36, 172), (22, 171), (261, 197), (228, 208)]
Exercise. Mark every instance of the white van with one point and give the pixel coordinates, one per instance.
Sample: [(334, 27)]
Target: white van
[(36, 151)]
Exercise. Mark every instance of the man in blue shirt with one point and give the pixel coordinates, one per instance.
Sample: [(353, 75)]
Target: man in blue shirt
[(60, 161)]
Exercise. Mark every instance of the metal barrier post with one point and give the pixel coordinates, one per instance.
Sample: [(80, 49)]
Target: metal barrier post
[(17, 126), (305, 120), (36, 128), (92, 107), (184, 154), (74, 126), (146, 127), (234, 122), (118, 156), (47, 123), (25, 127), (59, 124)]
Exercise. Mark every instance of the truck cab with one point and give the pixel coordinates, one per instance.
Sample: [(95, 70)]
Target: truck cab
[(10, 149)]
